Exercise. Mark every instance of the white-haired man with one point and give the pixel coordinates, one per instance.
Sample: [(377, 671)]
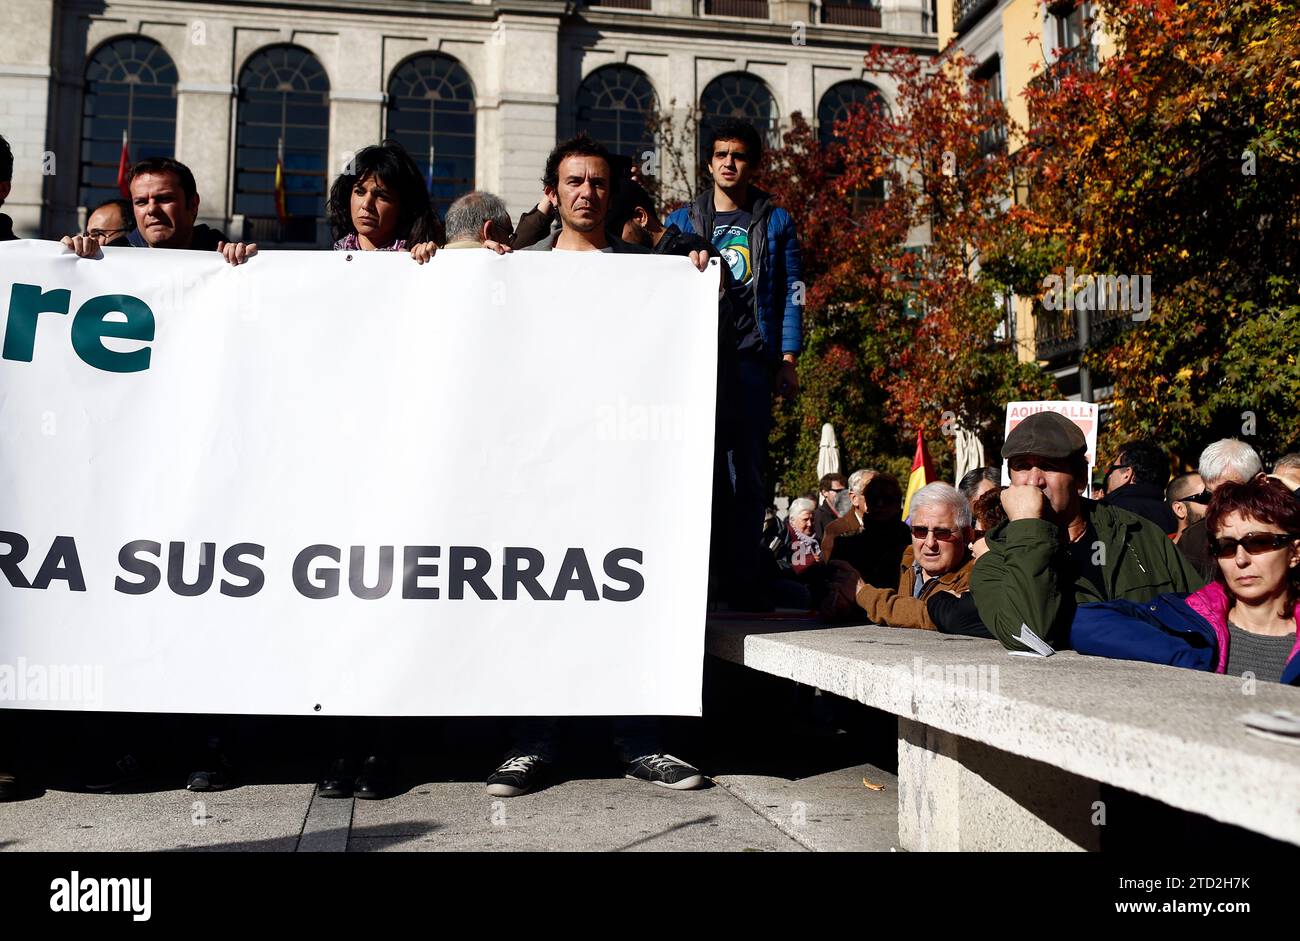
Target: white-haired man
[(1287, 469), (1224, 460), (939, 559), (850, 522), (476, 218)]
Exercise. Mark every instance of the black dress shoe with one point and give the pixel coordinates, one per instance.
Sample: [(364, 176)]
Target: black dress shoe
[(217, 772), (375, 780), (338, 781), (112, 775), (8, 786)]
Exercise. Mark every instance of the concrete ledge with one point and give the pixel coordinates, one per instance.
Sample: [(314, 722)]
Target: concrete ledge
[(1162, 732)]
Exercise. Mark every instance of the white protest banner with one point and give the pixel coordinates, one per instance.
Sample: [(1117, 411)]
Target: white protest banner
[(1083, 414), (347, 484)]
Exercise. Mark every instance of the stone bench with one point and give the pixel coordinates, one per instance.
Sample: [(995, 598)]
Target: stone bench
[(998, 752)]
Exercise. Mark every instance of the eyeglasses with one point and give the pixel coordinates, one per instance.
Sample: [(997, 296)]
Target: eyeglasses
[(942, 534), (104, 233), (1202, 498), (1253, 543), (977, 534)]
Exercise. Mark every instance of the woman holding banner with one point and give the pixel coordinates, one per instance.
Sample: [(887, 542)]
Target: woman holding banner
[(379, 203)]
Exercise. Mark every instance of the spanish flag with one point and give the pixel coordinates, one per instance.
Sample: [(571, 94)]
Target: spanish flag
[(922, 473), (123, 165), (281, 212)]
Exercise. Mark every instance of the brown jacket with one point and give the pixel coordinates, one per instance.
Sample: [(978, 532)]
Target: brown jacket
[(899, 608), (846, 525)]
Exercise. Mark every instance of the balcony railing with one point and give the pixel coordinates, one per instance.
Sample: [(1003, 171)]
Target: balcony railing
[(751, 9), (621, 4), (1056, 332), (966, 13), (848, 13)]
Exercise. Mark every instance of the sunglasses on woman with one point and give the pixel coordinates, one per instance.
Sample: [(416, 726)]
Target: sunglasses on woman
[(1253, 543)]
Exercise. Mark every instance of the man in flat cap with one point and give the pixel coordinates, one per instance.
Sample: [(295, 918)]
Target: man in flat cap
[(1056, 549)]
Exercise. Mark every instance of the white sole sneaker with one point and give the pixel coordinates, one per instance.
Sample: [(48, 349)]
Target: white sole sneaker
[(685, 784)]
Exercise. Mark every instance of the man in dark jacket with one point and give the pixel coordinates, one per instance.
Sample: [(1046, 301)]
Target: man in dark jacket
[(1225, 460), (1136, 482), (1057, 550), (165, 199), (757, 240), (830, 485)]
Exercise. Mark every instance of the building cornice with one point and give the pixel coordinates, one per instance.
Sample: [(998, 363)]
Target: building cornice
[(710, 27)]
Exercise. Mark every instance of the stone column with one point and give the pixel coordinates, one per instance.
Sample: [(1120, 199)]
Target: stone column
[(958, 795), (26, 35), (518, 110), (204, 143)]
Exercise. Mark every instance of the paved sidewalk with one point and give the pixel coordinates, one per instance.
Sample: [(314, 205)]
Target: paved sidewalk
[(810, 796)]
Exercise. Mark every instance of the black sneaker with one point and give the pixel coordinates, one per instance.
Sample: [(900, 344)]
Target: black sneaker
[(666, 771), (517, 776), (218, 773)]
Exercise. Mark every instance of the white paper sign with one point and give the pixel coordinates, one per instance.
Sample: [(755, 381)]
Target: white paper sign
[(344, 483)]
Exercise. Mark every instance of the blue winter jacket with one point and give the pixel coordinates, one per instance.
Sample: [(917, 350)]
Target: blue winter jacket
[(777, 263), (1176, 629)]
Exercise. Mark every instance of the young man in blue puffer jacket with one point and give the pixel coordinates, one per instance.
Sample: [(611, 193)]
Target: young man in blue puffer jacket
[(758, 242)]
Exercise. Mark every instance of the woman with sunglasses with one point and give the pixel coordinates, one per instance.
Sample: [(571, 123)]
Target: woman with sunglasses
[(1242, 622)]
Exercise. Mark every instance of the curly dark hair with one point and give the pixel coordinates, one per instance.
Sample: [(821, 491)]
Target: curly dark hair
[(737, 129), (389, 163), (1263, 499), (583, 145), (1148, 460)]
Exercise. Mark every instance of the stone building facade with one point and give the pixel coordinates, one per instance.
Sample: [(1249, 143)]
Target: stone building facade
[(488, 86)]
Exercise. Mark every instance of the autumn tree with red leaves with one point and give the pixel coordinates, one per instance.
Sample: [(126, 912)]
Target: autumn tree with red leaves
[(1178, 158), (901, 325)]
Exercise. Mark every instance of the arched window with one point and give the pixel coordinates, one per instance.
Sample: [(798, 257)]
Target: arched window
[(617, 106), (840, 100), (131, 89), (431, 113), (283, 103), (737, 95)]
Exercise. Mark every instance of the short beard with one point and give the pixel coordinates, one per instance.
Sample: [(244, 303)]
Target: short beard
[(581, 225)]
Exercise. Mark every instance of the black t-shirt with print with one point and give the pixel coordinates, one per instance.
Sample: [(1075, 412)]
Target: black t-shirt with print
[(731, 239)]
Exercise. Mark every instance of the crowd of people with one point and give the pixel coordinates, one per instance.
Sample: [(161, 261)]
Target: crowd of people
[(1202, 570), (591, 201)]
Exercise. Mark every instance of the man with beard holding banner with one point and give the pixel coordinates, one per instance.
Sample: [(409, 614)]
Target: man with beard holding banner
[(580, 183)]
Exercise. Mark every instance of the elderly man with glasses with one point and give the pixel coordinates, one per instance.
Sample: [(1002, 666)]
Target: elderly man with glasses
[(939, 559), (1224, 461)]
